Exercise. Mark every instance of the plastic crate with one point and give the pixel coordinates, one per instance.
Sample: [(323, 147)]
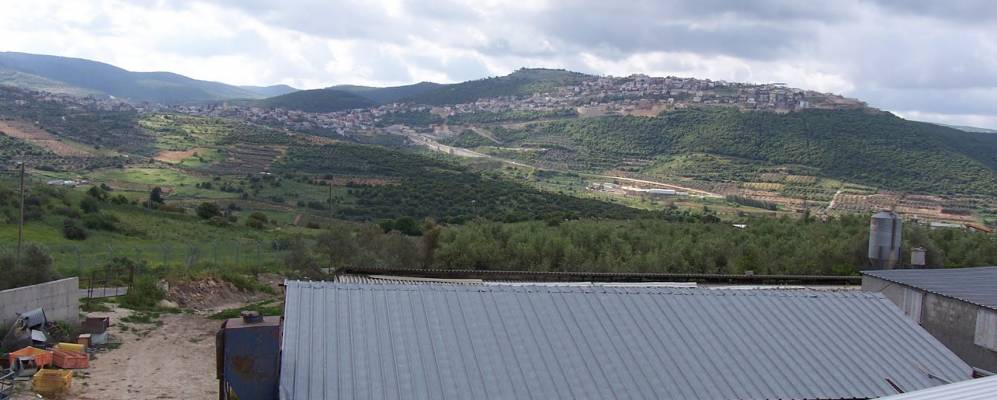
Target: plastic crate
[(42, 357), (51, 382), (70, 360), (70, 347)]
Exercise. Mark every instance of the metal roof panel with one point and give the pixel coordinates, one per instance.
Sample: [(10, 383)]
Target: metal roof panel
[(539, 342), (977, 285)]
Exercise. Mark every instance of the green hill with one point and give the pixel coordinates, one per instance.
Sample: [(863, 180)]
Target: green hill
[(522, 82), (866, 147), (270, 91), (385, 95), (318, 100), (86, 75)]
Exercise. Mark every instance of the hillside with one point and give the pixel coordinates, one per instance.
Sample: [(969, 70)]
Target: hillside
[(317, 101), (79, 74), (270, 91), (522, 82), (858, 146), (385, 95)]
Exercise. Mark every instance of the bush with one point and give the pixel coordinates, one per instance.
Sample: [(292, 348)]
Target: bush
[(119, 200), (144, 294), (101, 222), (219, 221), (97, 193), (208, 210), (257, 220), (73, 232), (35, 268), (89, 205)]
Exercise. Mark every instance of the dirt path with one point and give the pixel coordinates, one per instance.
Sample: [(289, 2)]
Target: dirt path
[(432, 144)]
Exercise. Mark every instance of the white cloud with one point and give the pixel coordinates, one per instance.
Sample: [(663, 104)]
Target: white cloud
[(883, 51)]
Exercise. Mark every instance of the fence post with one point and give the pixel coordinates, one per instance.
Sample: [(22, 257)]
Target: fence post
[(79, 262)]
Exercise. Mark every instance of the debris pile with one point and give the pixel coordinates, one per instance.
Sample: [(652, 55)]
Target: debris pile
[(206, 293), (47, 363)]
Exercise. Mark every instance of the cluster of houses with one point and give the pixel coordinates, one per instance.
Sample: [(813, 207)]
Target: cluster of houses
[(612, 94)]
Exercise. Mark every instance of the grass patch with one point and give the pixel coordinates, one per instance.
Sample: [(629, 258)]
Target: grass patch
[(144, 295), (94, 305), (265, 308), (244, 282)]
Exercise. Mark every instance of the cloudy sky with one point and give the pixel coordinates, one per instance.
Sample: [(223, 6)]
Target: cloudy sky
[(923, 59)]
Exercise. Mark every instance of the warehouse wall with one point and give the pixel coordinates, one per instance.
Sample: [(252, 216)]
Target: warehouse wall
[(60, 299), (953, 322)]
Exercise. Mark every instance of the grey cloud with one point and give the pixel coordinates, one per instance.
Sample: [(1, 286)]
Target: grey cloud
[(973, 11)]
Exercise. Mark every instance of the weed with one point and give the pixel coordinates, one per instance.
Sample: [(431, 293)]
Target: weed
[(94, 305), (265, 308)]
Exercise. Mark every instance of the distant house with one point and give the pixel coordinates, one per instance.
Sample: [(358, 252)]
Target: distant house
[(958, 306), (473, 341)]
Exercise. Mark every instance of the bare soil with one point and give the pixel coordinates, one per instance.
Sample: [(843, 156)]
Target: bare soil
[(30, 133), (171, 358), (175, 156)]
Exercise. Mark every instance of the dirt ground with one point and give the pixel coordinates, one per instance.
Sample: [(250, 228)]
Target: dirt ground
[(38, 137), (174, 156), (175, 360), (172, 358)]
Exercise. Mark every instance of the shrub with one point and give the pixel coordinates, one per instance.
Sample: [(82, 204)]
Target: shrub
[(144, 294), (219, 221), (89, 205), (35, 268), (208, 210), (156, 196), (101, 222), (257, 220), (97, 192), (71, 231)]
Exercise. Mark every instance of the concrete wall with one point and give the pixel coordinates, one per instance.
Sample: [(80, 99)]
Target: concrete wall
[(60, 299), (951, 321)]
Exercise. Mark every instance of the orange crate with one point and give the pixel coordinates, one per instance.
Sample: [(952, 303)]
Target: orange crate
[(42, 357), (70, 360)]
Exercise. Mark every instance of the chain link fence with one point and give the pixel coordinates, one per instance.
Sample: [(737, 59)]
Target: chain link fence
[(83, 259)]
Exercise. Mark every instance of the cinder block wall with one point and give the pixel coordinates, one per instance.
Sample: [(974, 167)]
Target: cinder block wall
[(60, 299), (951, 321)]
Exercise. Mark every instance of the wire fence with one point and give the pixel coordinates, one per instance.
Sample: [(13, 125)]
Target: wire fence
[(82, 259)]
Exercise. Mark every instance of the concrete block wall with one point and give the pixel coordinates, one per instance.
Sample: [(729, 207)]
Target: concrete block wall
[(60, 299), (951, 321)]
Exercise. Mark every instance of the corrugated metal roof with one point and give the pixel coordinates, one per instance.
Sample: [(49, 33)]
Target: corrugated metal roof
[(976, 389), (411, 280), (973, 285), (518, 342), (403, 280)]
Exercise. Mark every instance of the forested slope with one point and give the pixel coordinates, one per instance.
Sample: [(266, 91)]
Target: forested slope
[(862, 146)]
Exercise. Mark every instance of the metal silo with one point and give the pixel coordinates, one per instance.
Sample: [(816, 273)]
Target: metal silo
[(885, 230)]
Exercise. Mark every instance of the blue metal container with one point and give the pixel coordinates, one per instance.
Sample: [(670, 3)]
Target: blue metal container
[(248, 358)]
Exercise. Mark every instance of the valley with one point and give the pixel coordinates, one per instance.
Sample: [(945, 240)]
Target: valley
[(214, 182)]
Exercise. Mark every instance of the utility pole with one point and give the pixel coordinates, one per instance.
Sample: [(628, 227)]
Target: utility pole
[(20, 225), (330, 203)]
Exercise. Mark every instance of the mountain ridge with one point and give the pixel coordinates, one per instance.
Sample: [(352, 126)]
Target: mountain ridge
[(164, 87)]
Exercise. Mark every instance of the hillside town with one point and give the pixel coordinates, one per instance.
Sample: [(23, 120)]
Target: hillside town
[(600, 95)]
